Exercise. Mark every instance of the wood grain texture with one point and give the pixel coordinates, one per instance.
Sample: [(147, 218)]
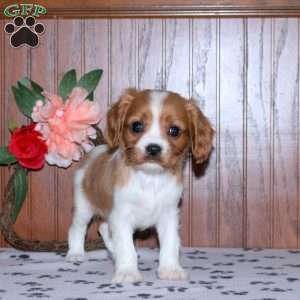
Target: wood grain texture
[(96, 55), (150, 54), (258, 118), (121, 4), (177, 73), (16, 66), (123, 56), (286, 99), (231, 130), (156, 8), (244, 74), (298, 141), (204, 219)]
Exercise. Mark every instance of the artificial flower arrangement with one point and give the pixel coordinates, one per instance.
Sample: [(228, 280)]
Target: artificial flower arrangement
[(62, 130)]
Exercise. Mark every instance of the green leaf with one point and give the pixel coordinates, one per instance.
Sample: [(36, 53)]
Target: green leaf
[(6, 158), (37, 88), (90, 96), (67, 84), (31, 84), (20, 191), (89, 81), (25, 98), (25, 81), (33, 93)]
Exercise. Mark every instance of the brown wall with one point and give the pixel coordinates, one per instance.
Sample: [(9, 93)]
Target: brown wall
[(244, 73)]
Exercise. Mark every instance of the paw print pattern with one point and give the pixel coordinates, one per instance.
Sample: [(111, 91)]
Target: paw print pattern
[(24, 31)]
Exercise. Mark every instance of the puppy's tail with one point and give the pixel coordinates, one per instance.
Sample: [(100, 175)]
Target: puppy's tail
[(99, 140)]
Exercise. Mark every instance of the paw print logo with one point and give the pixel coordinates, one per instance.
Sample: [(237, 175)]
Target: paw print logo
[(24, 31)]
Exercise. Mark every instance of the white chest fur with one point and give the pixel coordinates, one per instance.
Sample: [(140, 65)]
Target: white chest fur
[(145, 197)]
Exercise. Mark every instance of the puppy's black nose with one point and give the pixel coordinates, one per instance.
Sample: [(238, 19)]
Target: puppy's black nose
[(153, 149)]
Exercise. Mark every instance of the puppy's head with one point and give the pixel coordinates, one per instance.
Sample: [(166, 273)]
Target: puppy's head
[(156, 128)]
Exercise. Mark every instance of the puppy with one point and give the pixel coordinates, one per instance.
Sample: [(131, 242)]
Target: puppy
[(136, 181)]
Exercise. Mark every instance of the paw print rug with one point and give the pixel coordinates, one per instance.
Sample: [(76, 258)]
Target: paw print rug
[(214, 274)]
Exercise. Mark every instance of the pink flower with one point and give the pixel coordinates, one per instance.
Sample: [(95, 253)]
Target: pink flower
[(66, 127)]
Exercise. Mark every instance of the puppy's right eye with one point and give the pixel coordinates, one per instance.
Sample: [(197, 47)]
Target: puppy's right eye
[(174, 131), (137, 127)]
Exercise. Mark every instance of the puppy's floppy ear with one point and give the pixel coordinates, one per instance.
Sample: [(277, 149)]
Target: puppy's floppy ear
[(201, 132), (116, 117)]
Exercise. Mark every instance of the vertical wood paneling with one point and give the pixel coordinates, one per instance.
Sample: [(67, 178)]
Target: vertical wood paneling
[(285, 80), (231, 127), (17, 62), (298, 139), (258, 132), (43, 182), (123, 56), (150, 54), (69, 56), (204, 91), (96, 55), (244, 74), (177, 74)]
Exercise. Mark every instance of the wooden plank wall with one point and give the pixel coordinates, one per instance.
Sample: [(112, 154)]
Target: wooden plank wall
[(244, 73)]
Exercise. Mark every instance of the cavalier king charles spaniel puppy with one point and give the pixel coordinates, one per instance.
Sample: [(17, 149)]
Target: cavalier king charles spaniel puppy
[(135, 180)]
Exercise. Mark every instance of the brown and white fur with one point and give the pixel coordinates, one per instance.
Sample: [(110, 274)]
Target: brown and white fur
[(135, 181)]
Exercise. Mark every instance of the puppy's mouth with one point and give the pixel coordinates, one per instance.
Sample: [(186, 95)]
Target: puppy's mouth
[(153, 159), (157, 161), (150, 167), (135, 157)]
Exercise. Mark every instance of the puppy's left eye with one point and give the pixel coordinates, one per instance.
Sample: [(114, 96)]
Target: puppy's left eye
[(174, 131)]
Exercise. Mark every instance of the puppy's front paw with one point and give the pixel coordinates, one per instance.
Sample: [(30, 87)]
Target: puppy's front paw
[(75, 257), (122, 276), (172, 273)]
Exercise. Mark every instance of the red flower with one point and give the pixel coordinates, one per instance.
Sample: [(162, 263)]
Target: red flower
[(27, 146)]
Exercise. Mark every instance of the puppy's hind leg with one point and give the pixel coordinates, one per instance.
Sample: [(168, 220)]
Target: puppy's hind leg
[(83, 212)]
